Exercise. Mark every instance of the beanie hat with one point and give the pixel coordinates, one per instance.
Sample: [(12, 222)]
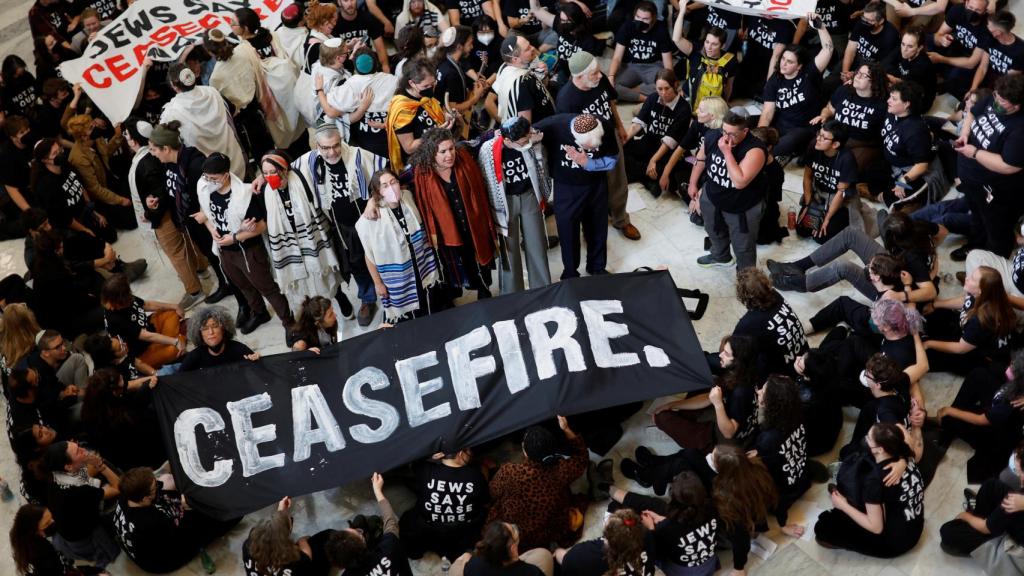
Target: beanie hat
[(579, 62), (164, 136), (216, 163)]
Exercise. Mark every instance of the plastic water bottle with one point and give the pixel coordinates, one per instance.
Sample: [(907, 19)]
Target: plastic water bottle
[(445, 566), (5, 491)]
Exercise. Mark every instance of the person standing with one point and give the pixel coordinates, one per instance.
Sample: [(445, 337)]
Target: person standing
[(590, 92), (732, 197), (413, 111), (520, 82), (517, 179)]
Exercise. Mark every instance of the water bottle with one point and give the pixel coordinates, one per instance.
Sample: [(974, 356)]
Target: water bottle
[(5, 491), (445, 566)]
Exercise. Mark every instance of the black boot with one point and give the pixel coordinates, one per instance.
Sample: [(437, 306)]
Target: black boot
[(255, 321), (244, 312), (224, 288), (344, 304)]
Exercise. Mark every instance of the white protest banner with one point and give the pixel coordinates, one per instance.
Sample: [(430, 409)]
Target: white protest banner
[(110, 70), (786, 9)]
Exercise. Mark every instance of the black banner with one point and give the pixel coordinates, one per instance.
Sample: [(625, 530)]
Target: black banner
[(242, 436)]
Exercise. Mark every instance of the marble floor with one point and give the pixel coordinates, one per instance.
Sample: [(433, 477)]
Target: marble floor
[(669, 239)]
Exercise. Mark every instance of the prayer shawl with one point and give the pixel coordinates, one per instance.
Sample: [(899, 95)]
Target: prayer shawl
[(303, 261), (490, 164), (293, 44), (206, 124), (238, 203), (507, 86), (332, 79), (402, 111), (438, 217), (386, 247), (406, 18), (133, 187), (360, 165), (346, 97)]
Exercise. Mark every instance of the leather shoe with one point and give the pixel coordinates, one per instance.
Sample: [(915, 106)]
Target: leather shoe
[(366, 312), (219, 294), (255, 322), (629, 231)]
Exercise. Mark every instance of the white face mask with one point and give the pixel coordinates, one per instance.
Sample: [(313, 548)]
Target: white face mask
[(391, 195), (485, 38)]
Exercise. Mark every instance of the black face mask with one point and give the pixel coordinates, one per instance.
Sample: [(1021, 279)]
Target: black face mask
[(50, 531), (29, 139), (976, 18), (566, 28), (61, 159), (427, 92)]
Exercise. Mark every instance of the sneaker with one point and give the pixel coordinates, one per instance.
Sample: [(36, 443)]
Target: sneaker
[(135, 269), (188, 301), (960, 254), (366, 312), (345, 305), (709, 261), (775, 267), (644, 456), (788, 282)]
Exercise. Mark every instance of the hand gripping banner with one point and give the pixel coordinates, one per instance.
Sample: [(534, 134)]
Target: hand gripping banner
[(242, 436)]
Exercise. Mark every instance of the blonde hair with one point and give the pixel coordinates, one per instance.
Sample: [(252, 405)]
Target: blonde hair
[(19, 332), (80, 126), (717, 107)]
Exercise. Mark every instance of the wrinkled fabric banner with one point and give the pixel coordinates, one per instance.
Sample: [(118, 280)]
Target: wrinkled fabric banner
[(786, 9), (110, 69), (241, 437)]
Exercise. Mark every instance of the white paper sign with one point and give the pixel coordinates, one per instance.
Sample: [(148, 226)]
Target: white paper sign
[(787, 9), (110, 70)]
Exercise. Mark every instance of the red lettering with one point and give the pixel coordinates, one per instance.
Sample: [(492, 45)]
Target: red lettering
[(141, 51), (92, 81), (272, 5), (119, 68), (209, 21), (187, 29), (163, 35), (776, 9)]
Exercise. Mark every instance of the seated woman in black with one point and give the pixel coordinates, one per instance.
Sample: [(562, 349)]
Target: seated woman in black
[(30, 445), (111, 352), (497, 554), (996, 511), (69, 292), (31, 548), (861, 106), (625, 548), (888, 520), (212, 332), (770, 321), (985, 415), (685, 528), (822, 411), (914, 65), (654, 133), (120, 422), (883, 271), (270, 551), (728, 411), (782, 445), (316, 326), (907, 146), (974, 328)]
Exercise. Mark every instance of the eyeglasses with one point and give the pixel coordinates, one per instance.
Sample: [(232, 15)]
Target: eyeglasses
[(211, 327), (862, 75), (58, 346), (213, 179), (821, 136), (333, 147), (733, 134)]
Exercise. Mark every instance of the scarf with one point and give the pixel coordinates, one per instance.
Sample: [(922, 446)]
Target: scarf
[(302, 259), (491, 165), (386, 247), (437, 212), (360, 165), (507, 86), (206, 124), (238, 203), (133, 188), (402, 111)]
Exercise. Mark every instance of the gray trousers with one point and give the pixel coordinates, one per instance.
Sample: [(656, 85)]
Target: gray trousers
[(635, 79), (744, 244), (524, 212), (618, 192), (829, 271), (74, 370)]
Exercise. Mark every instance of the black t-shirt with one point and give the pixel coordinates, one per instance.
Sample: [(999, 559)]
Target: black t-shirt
[(835, 15), (999, 133), (660, 121), (386, 557), (200, 358), (62, 196), (780, 337), (419, 124), (530, 94), (890, 409), (684, 545), (883, 47), (484, 56), (904, 507), (479, 567), (785, 456), (863, 116), (363, 135), (219, 215), (44, 560), (557, 133), (346, 211), (76, 509), (823, 415), (107, 9), (153, 536), (514, 172), (597, 102), (588, 559), (263, 43), (974, 333), (902, 351), (920, 70), (643, 46), (906, 141), (448, 497), (797, 101), (364, 25), (966, 37), (741, 406), (569, 45), (128, 323), (520, 9), (19, 96), (16, 167), (469, 10), (1017, 274), (765, 33), (828, 173), (304, 566), (719, 186), (452, 82), (1002, 59)]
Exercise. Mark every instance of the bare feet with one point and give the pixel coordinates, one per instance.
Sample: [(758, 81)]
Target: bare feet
[(793, 530)]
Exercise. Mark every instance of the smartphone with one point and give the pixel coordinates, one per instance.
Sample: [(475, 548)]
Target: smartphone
[(832, 488)]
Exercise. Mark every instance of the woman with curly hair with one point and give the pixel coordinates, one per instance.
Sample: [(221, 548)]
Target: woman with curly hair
[(727, 412), (29, 446), (880, 520), (456, 211), (861, 107), (974, 328), (212, 332), (685, 528), (769, 321), (623, 549), (782, 445), (316, 327)]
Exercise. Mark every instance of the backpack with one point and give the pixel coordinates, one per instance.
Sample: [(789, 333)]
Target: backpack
[(707, 80)]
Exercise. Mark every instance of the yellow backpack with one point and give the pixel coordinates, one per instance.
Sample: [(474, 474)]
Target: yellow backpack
[(711, 81)]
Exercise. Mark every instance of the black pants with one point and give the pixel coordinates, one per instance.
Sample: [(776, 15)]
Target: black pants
[(958, 537), (992, 223), (793, 143), (992, 445), (837, 529), (420, 537), (844, 310), (120, 217)]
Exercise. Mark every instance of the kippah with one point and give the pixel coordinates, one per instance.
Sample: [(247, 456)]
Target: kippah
[(364, 63), (216, 163), (448, 37), (187, 77), (325, 127), (292, 11), (332, 43), (584, 123), (216, 35), (145, 129)]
